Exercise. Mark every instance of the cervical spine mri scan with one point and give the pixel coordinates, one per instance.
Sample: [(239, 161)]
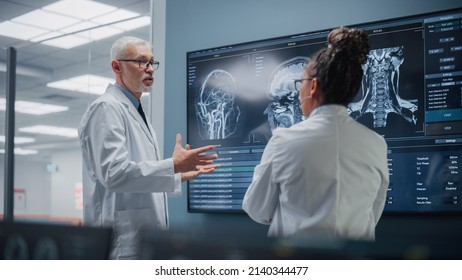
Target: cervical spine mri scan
[(284, 109), (380, 88), (216, 112)]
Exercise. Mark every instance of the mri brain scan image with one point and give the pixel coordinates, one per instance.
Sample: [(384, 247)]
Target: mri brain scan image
[(216, 111), (284, 109), (380, 89)]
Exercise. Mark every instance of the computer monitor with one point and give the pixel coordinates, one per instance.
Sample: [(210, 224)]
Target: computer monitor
[(37, 241), (411, 94)]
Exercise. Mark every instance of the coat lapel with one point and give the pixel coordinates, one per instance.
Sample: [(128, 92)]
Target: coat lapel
[(120, 96)]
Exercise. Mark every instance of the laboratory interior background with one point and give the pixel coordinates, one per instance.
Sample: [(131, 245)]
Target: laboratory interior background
[(60, 71)]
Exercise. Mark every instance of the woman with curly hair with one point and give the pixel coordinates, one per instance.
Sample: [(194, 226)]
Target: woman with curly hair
[(326, 176)]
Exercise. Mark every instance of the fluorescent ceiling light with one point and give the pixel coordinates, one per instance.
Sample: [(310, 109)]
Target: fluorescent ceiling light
[(96, 89), (99, 33), (33, 108), (68, 17), (46, 20), (77, 27), (45, 36), (133, 24), (20, 151), (20, 31), (86, 83), (50, 130), (81, 38), (67, 42), (79, 9), (119, 14), (18, 140)]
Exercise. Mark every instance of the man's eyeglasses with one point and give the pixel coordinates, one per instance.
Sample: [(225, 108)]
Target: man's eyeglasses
[(143, 63), (298, 83)]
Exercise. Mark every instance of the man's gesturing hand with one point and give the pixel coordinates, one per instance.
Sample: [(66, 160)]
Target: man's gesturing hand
[(187, 159)]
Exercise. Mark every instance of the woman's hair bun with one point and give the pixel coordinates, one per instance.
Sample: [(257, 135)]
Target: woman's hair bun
[(353, 41)]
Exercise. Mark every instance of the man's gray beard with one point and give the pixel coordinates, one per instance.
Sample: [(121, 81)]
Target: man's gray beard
[(144, 88)]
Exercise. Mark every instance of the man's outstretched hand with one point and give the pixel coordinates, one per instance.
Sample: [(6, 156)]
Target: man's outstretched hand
[(193, 162), (200, 170)]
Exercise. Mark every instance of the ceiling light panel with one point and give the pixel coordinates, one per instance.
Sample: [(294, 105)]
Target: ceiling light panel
[(92, 80), (20, 151), (133, 24), (33, 108), (100, 33), (65, 84), (46, 36), (92, 84), (80, 9), (96, 89), (119, 14), (85, 83), (67, 42), (51, 130), (48, 24), (18, 140), (20, 31), (46, 20), (78, 27)]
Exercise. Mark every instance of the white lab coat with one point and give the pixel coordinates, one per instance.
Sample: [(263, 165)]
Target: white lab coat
[(124, 178), (324, 177)]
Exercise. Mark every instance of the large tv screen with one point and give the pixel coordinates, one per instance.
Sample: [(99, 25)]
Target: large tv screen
[(411, 94)]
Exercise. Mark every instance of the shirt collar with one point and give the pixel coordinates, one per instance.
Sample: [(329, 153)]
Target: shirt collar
[(329, 109), (130, 96)]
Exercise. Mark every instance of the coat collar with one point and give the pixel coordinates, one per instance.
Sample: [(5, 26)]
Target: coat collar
[(330, 109), (122, 98)]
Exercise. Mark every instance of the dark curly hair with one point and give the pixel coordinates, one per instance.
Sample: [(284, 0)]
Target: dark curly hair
[(338, 66)]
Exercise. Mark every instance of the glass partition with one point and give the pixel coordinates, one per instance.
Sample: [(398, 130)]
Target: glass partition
[(3, 59), (60, 71)]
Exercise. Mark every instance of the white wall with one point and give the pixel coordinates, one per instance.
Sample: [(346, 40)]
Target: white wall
[(32, 177), (47, 194), (63, 184)]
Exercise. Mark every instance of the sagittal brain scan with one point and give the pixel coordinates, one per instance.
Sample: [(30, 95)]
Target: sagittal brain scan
[(380, 88), (216, 112), (284, 109)]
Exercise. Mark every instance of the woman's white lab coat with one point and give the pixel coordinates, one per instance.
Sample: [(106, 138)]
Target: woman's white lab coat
[(124, 178), (325, 177)]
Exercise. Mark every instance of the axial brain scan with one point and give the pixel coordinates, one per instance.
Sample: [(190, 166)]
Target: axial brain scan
[(284, 109), (380, 88), (216, 112)]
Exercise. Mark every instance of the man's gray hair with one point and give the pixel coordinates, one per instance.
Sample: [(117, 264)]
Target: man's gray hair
[(120, 46)]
